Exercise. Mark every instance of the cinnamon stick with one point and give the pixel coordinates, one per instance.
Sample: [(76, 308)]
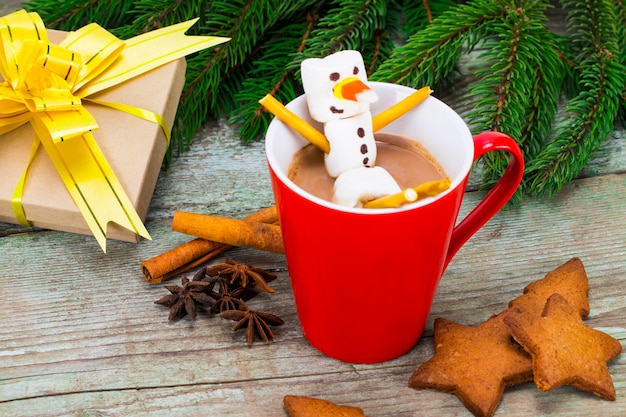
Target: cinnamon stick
[(230, 231), (194, 253)]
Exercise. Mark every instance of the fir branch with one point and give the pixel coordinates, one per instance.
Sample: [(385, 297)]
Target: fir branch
[(215, 76), (72, 14), (415, 43), (518, 93), (430, 55), (504, 88), (270, 75), (593, 111), (278, 74), (377, 50), (154, 14), (620, 15), (417, 16), (345, 24), (548, 79)]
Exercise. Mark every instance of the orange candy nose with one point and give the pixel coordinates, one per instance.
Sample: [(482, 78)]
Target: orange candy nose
[(349, 88)]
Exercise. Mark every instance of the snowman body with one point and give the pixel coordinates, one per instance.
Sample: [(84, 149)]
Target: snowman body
[(352, 144), (338, 96)]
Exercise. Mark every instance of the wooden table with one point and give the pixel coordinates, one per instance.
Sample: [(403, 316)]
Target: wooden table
[(81, 336)]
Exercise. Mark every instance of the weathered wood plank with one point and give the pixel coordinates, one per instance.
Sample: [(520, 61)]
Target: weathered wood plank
[(9, 6), (378, 391)]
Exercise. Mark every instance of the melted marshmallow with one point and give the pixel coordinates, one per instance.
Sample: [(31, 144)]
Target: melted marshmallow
[(338, 96), (355, 186)]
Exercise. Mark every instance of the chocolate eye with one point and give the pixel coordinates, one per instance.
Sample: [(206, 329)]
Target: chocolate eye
[(355, 71), (334, 76)]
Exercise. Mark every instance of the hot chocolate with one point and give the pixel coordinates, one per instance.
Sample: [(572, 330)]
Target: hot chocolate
[(405, 159)]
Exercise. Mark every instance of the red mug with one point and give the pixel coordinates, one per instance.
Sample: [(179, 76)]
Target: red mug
[(364, 280)]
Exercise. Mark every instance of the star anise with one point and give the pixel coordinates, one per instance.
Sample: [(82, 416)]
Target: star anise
[(255, 322), (184, 300), (228, 295), (243, 274), (227, 298)]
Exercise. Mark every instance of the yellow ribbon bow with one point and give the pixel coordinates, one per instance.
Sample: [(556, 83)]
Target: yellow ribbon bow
[(45, 84)]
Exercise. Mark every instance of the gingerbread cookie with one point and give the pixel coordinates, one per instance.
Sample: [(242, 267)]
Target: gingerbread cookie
[(569, 280), (564, 351), (474, 363), (299, 406)]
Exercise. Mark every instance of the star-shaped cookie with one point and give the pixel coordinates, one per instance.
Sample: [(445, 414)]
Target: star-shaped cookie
[(569, 280), (464, 364), (564, 350)]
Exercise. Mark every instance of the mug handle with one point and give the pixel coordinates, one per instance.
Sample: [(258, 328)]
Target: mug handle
[(499, 194)]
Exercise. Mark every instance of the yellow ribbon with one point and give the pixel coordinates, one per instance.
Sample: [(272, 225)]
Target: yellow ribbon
[(45, 85)]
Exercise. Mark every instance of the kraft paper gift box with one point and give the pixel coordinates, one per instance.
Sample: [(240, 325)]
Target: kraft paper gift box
[(133, 147)]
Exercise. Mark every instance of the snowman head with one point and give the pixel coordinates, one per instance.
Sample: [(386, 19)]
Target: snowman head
[(335, 86)]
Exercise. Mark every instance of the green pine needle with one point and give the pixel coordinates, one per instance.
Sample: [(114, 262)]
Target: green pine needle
[(417, 18), (431, 55), (593, 111), (345, 24), (517, 91), (72, 14), (269, 75)]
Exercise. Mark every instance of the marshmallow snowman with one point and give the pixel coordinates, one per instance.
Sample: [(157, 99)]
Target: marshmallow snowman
[(337, 96)]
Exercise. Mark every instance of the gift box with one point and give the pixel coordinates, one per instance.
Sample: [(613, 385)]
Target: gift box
[(133, 147)]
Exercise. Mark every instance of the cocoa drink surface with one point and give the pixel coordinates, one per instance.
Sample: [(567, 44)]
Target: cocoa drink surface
[(407, 161)]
